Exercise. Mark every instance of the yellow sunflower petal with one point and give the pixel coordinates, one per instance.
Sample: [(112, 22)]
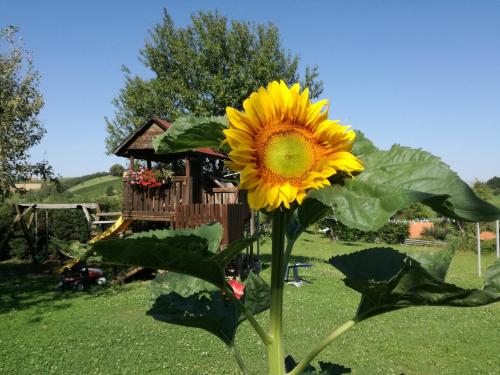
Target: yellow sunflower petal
[(284, 145)]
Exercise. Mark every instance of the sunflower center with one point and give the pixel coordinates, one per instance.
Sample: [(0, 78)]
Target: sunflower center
[(288, 155)]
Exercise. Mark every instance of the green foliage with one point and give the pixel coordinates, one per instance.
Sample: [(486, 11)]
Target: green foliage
[(468, 243), (389, 280), (189, 132), (416, 211), (193, 292), (116, 170), (440, 231), (201, 69), (110, 191), (396, 179), (192, 302), (494, 184), (67, 225), (483, 190), (21, 101), (190, 252), (392, 233), (189, 301)]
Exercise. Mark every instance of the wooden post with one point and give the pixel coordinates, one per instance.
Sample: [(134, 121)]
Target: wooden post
[(498, 239), (131, 165), (258, 233), (478, 249), (47, 228), (187, 166), (87, 214), (36, 225), (148, 163), (252, 233), (27, 236)]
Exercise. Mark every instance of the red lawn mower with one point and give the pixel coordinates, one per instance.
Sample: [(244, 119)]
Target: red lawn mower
[(79, 277)]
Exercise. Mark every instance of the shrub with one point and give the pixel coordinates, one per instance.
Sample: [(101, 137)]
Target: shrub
[(469, 243), (440, 231), (110, 191), (116, 170), (392, 233)]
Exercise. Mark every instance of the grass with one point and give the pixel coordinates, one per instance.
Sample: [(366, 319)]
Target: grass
[(97, 186), (43, 330)]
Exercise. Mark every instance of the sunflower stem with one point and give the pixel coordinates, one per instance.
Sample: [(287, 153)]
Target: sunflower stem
[(264, 336), (320, 346), (276, 350), (239, 360)]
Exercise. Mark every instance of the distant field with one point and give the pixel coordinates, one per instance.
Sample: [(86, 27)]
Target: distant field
[(97, 186), (29, 186)]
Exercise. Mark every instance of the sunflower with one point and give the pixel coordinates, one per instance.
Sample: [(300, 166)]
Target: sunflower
[(283, 145)]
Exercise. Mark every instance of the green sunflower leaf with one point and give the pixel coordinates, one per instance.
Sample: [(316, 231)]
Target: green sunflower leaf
[(390, 280), (189, 251), (257, 295), (394, 180), (212, 232), (191, 302), (189, 133)]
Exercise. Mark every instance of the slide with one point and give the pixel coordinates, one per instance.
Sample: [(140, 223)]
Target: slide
[(120, 225)]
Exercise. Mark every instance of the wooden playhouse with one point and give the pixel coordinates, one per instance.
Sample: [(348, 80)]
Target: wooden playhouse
[(193, 196)]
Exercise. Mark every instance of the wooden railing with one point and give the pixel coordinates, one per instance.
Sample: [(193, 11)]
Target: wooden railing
[(232, 217), (220, 195), (172, 203), (158, 203)]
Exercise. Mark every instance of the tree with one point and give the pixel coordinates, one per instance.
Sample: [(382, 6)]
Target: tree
[(483, 190), (116, 170), (20, 104), (494, 184), (201, 69)]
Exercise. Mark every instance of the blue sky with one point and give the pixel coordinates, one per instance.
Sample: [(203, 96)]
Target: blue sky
[(424, 74)]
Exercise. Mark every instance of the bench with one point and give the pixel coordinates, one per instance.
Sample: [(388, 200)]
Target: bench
[(297, 280)]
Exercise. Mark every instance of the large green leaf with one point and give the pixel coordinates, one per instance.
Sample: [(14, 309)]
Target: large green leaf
[(395, 179), (389, 280), (212, 232), (189, 301), (188, 251), (438, 263), (257, 296), (189, 133), (310, 211)]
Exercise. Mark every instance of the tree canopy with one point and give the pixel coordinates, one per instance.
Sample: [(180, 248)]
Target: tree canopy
[(20, 104), (201, 69)]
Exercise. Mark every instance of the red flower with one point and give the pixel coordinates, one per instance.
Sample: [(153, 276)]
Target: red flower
[(238, 288)]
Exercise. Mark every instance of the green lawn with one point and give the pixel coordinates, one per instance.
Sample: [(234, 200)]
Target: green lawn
[(45, 331), (97, 186)]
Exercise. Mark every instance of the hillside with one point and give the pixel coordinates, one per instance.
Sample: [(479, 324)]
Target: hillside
[(97, 186)]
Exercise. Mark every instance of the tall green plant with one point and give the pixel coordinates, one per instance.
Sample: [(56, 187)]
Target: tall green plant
[(196, 294)]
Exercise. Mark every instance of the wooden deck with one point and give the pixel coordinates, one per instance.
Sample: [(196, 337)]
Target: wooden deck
[(175, 203)]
